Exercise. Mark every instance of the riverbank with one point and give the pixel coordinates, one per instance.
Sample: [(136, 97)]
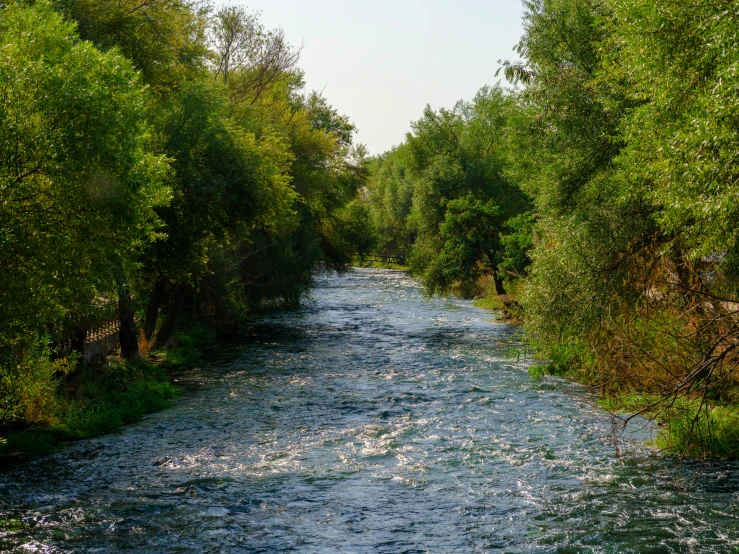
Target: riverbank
[(94, 401), (100, 399), (702, 426), (507, 304), (383, 265)]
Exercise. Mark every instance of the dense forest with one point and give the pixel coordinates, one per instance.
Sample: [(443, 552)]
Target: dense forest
[(597, 199), (160, 165)]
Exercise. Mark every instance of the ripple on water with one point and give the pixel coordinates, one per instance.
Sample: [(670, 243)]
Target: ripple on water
[(370, 421)]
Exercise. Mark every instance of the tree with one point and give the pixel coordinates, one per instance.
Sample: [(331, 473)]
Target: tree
[(224, 182), (390, 198), (246, 57), (163, 39), (78, 181), (471, 236), (446, 191)]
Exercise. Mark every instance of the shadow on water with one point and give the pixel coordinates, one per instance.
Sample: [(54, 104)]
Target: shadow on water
[(371, 420)]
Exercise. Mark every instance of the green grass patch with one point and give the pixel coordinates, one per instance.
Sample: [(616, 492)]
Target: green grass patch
[(629, 403), (538, 371), (95, 401), (699, 430), (490, 302), (186, 347), (686, 426), (383, 265), (572, 359)]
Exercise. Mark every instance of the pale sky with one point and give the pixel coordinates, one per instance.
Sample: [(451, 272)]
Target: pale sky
[(381, 61)]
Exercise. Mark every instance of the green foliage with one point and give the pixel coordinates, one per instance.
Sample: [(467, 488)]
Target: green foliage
[(29, 382), (390, 197), (74, 157), (164, 39), (351, 234), (186, 347), (517, 244), (136, 170), (680, 67), (93, 402), (471, 245), (442, 199), (694, 428), (224, 181)]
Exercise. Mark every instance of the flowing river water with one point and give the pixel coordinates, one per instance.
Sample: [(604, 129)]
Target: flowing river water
[(370, 421)]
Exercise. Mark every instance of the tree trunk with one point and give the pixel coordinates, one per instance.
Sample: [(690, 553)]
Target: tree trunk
[(499, 288), (78, 346), (152, 310), (127, 335), (174, 311)]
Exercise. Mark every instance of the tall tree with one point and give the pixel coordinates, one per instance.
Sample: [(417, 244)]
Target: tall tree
[(164, 39), (78, 182)]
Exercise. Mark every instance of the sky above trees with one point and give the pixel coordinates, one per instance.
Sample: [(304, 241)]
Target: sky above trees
[(383, 61)]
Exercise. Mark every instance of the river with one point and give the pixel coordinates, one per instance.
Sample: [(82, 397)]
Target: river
[(370, 421)]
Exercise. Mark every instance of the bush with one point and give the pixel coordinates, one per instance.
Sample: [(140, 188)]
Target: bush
[(187, 343), (29, 381), (95, 401)]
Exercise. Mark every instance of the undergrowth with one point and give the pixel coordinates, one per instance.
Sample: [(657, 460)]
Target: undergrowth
[(187, 344), (383, 265), (54, 402), (91, 402), (691, 427)]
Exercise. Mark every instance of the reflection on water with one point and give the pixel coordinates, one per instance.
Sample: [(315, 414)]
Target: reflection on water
[(370, 421)]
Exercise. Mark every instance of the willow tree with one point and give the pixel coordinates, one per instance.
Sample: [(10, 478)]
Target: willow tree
[(626, 139)]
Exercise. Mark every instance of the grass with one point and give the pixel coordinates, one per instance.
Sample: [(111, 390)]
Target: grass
[(383, 265), (687, 426), (628, 403), (700, 430), (95, 401), (186, 347), (490, 302)]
